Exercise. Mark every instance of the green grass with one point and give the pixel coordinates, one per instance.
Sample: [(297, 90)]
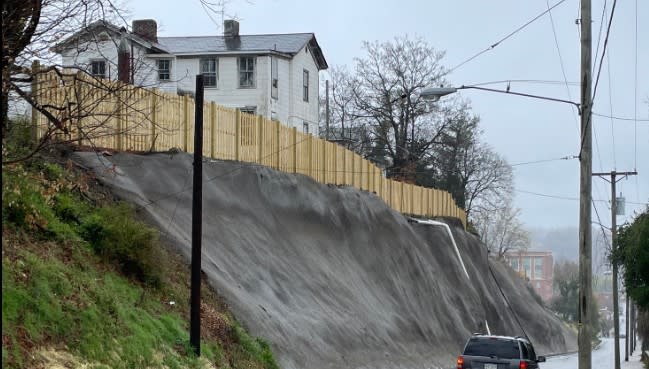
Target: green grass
[(91, 279)]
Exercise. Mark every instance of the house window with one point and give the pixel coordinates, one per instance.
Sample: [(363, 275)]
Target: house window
[(164, 69), (538, 268), (305, 85), (274, 78), (209, 68), (305, 127), (514, 263), (247, 72), (98, 68)]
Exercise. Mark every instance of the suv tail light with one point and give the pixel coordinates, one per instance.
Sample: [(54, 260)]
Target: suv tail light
[(460, 362), (522, 365)]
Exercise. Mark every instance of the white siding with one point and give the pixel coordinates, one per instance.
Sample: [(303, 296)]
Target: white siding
[(147, 73), (145, 68), (82, 56), (281, 105), (299, 110), (227, 91), (289, 108)]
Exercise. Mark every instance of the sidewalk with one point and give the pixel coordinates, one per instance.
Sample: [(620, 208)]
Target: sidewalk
[(634, 360)]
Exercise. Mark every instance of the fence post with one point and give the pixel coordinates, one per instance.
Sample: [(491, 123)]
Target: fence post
[(403, 198), (277, 141), (344, 169), (154, 117), (237, 134), (260, 135), (324, 161), (411, 187), (310, 156), (213, 129), (77, 98), (379, 186), (294, 144), (422, 193), (186, 122), (121, 112)]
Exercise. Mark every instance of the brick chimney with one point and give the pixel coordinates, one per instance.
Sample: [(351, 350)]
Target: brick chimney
[(146, 28), (123, 59), (230, 28)]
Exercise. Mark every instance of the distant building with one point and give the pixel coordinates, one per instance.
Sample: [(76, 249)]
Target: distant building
[(535, 266)]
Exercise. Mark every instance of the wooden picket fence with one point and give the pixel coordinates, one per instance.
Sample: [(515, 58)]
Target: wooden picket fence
[(128, 118)]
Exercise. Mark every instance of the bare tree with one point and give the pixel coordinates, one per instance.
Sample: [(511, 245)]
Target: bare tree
[(460, 163), (30, 30), (344, 122), (384, 91), (502, 230)]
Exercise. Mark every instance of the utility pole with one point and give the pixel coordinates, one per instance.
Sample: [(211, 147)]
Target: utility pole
[(327, 109), (626, 326), (616, 305), (634, 312), (585, 188), (197, 222)]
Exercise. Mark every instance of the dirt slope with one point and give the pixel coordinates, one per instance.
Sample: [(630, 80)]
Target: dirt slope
[(330, 276)]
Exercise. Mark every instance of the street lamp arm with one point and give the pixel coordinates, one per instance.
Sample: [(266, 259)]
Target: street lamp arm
[(523, 94), (435, 93)]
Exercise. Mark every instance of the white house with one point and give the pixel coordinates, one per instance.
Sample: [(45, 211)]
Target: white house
[(273, 75)]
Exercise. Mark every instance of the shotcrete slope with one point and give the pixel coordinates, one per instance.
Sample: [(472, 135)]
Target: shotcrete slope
[(330, 276)]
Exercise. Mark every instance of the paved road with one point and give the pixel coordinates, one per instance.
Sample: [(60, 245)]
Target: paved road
[(602, 358)]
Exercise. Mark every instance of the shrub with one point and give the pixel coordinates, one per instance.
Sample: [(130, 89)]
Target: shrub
[(22, 201), (17, 142), (68, 208), (115, 235)]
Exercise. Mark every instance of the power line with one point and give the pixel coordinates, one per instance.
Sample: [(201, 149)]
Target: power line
[(492, 46), (621, 118), (563, 70), (544, 160), (601, 60), (599, 33), (589, 118), (560, 197), (610, 103), (532, 81)]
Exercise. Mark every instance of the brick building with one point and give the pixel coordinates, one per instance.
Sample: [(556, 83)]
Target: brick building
[(537, 267)]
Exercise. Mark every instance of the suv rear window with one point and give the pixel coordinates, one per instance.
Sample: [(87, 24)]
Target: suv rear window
[(502, 348)]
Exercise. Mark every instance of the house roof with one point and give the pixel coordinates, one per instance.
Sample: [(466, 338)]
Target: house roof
[(95, 28), (290, 43)]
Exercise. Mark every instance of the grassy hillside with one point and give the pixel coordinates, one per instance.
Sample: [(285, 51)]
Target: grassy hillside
[(86, 284)]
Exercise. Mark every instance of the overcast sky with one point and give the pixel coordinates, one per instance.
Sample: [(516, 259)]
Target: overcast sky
[(521, 129)]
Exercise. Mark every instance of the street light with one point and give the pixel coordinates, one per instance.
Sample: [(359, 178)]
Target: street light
[(435, 93)]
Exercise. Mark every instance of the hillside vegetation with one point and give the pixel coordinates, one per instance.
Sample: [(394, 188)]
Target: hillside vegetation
[(86, 284)]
